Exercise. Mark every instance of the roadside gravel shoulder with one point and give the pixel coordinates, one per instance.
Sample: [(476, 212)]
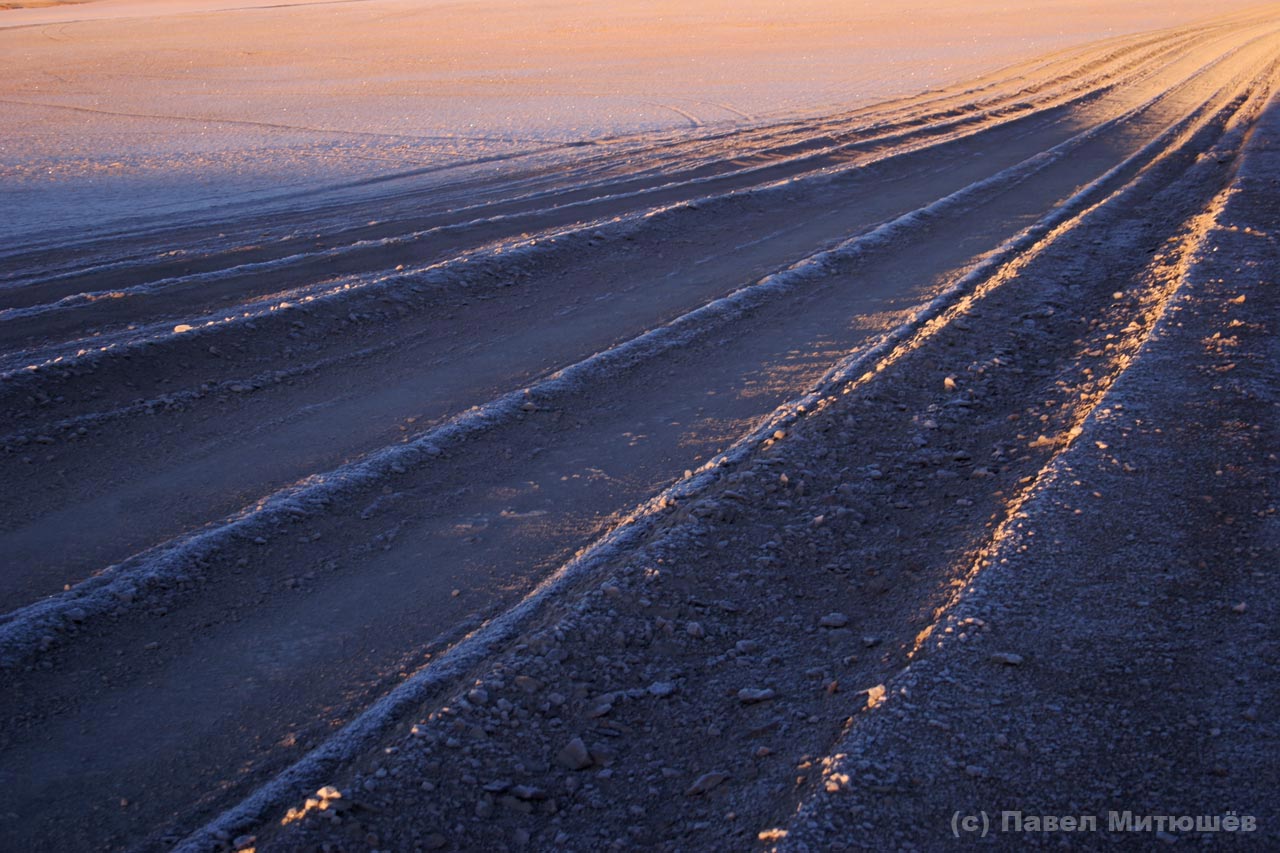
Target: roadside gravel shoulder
[(1117, 649)]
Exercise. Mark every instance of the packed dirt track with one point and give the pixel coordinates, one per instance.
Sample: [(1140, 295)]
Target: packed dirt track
[(676, 495)]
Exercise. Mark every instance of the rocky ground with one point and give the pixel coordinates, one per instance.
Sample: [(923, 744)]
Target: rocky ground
[(831, 482), (1025, 563)]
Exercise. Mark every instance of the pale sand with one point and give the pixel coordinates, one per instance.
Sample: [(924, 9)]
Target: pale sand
[(150, 105), (531, 69)]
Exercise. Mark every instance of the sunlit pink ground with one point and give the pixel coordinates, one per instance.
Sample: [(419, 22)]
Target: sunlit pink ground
[(116, 107)]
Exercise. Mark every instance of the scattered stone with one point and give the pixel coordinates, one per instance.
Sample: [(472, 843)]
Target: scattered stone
[(1007, 658), (574, 755), (834, 620), (617, 646), (528, 792), (706, 782), (752, 695), (528, 683)]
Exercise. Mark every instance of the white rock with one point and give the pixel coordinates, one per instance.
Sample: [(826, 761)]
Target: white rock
[(752, 695), (1007, 658)]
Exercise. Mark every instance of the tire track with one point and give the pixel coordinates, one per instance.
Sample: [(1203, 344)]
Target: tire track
[(820, 158), (415, 494), (1169, 162), (916, 219)]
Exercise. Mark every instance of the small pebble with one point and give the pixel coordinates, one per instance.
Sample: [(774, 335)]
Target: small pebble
[(752, 695), (574, 755), (706, 782), (834, 620)]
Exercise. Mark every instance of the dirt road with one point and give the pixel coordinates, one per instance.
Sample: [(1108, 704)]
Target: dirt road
[(256, 481)]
